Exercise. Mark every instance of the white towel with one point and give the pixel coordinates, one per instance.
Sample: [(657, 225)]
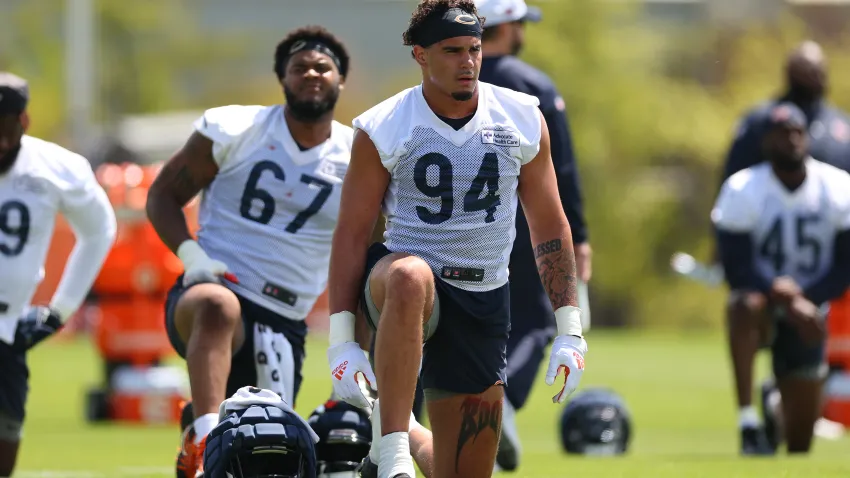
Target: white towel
[(274, 362), (245, 397)]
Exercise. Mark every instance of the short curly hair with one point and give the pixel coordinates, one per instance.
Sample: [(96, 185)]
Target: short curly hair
[(431, 8), (315, 33)]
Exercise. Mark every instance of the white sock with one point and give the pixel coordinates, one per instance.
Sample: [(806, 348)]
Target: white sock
[(204, 425), (395, 456), (748, 417), (374, 450)]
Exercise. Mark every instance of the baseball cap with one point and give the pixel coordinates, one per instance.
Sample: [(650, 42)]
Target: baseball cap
[(496, 12), (14, 93), (786, 114)]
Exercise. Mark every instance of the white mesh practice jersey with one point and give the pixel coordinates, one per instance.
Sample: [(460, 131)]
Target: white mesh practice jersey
[(792, 231), (271, 210), (452, 196), (45, 180)]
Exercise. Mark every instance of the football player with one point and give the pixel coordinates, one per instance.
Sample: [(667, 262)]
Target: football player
[(448, 160), (39, 180), (270, 177), (783, 230)]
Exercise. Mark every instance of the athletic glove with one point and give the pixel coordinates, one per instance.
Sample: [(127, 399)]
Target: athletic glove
[(37, 324), (199, 267), (347, 360), (568, 351)]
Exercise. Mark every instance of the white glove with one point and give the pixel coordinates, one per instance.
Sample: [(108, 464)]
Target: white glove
[(347, 360), (568, 351), (199, 267)]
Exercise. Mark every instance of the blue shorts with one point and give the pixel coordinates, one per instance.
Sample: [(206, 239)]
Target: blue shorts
[(243, 367), (793, 357), (14, 387), (465, 353)]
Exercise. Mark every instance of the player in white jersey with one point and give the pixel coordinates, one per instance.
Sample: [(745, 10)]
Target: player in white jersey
[(448, 159), (783, 229), (39, 180), (270, 179)]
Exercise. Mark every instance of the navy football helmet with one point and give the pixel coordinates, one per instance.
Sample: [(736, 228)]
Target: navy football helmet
[(345, 435), (261, 441), (596, 422)]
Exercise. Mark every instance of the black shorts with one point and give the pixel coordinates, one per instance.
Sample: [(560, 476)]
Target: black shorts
[(14, 387), (243, 367), (792, 356), (466, 353)]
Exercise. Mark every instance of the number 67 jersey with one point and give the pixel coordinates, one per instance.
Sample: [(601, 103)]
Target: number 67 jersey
[(452, 195), (792, 232), (271, 210)]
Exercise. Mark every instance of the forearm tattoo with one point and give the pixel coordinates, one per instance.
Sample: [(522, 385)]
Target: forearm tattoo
[(557, 268)]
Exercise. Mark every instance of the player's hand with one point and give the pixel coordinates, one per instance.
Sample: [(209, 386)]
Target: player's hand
[(583, 263), (37, 324), (199, 267), (346, 361), (806, 317), (784, 290), (567, 354)]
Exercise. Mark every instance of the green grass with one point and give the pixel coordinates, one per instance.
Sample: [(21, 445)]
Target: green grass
[(677, 386)]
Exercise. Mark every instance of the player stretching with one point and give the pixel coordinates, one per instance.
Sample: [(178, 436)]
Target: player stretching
[(271, 179), (448, 159), (784, 234), (39, 179)]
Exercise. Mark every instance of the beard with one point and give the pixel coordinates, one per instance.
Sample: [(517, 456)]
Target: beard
[(462, 95), (7, 160), (788, 162), (310, 111)]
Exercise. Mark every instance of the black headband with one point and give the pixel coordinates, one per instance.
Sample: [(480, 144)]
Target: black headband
[(304, 45), (454, 23), (12, 101)]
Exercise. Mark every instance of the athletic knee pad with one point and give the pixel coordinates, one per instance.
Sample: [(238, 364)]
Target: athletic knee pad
[(261, 441)]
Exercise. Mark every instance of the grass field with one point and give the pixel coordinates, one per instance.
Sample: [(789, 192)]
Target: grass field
[(677, 386)]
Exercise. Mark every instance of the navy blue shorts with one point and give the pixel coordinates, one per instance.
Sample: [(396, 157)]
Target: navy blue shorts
[(466, 354), (792, 356), (243, 368), (14, 383)]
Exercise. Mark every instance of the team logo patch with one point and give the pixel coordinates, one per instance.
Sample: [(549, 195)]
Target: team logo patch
[(340, 371), (500, 138), (465, 19)]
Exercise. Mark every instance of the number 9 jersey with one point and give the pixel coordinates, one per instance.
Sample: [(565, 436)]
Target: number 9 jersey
[(792, 232), (452, 195), (271, 210)]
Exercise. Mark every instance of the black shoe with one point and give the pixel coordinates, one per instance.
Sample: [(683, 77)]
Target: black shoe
[(754, 442), (367, 469), (773, 434)]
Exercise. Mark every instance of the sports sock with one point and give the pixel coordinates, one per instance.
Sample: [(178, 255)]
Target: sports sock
[(395, 456), (374, 450), (748, 417), (204, 425)]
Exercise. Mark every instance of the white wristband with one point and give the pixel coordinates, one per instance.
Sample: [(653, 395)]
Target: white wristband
[(341, 328), (568, 319)]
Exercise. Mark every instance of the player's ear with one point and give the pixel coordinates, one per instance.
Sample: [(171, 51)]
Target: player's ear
[(25, 120), (419, 55)]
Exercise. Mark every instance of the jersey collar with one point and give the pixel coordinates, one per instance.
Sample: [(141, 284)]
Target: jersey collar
[(457, 137)]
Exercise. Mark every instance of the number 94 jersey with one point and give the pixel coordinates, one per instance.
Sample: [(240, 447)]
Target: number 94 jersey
[(271, 210), (792, 231), (452, 195)]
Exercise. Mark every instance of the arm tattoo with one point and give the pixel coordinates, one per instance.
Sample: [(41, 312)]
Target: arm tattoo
[(557, 269)]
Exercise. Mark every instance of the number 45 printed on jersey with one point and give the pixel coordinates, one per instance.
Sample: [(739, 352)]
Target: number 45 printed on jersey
[(252, 192), (488, 175)]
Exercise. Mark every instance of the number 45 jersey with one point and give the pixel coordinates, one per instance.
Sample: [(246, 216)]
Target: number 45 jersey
[(792, 232), (452, 195), (271, 210)]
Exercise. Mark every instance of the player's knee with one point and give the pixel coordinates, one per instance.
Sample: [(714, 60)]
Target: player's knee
[(746, 307), (409, 277), (215, 309)]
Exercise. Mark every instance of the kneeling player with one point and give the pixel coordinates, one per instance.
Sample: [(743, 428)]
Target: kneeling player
[(448, 159), (270, 178), (784, 238)]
